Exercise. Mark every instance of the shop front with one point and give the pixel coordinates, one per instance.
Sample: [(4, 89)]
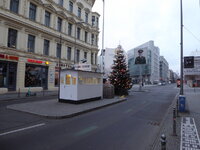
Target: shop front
[(8, 70), (36, 74)]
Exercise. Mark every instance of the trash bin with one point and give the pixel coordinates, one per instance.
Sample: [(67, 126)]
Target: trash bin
[(182, 103)]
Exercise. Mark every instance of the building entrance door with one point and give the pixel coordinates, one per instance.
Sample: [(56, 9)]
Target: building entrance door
[(12, 71)]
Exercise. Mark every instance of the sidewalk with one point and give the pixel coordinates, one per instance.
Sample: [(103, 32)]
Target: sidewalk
[(193, 102), (56, 110), (16, 95)]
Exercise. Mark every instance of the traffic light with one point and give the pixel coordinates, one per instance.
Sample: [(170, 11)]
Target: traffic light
[(189, 62)]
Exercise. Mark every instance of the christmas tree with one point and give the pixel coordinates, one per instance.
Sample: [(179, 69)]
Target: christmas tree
[(120, 77)]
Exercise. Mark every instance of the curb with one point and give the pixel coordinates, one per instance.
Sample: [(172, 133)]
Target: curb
[(76, 113), (162, 123)]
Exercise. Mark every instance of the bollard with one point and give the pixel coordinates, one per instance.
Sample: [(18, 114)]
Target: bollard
[(19, 92), (174, 122), (43, 91), (163, 142)]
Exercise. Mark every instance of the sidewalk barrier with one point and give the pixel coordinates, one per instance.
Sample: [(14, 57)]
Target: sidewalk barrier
[(163, 142), (174, 122)]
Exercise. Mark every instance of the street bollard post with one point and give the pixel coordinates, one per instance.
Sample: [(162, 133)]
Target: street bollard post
[(163, 142), (19, 92), (43, 91), (174, 122)]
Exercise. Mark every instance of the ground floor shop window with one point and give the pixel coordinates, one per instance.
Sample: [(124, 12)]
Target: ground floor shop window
[(8, 75), (56, 76), (36, 76)]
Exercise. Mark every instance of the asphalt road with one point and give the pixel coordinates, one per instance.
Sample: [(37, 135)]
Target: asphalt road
[(131, 125)]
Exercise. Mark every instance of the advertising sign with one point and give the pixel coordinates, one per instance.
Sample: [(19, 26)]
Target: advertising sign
[(84, 67), (140, 56)]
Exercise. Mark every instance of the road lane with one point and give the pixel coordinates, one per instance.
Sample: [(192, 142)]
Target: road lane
[(129, 125)]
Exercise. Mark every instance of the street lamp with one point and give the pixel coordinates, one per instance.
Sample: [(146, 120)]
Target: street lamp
[(181, 48), (75, 36)]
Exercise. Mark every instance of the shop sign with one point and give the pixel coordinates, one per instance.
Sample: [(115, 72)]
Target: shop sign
[(34, 61), (9, 57), (84, 67)]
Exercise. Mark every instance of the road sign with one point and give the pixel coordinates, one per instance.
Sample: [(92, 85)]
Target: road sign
[(189, 62)]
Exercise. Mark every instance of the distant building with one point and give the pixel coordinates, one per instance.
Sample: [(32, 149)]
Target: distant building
[(109, 56), (150, 70), (192, 75), (172, 76), (38, 36), (164, 68)]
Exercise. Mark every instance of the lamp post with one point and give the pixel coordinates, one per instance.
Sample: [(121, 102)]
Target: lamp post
[(75, 36), (103, 51), (181, 48), (59, 68)]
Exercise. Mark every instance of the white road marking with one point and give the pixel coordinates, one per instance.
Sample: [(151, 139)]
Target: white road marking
[(22, 129)]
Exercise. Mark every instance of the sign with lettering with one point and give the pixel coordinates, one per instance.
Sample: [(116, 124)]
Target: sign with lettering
[(9, 57), (84, 67), (189, 135), (34, 61)]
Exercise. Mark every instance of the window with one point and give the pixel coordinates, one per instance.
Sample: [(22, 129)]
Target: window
[(79, 12), (46, 47), (31, 43), (95, 59), (59, 24), (86, 17), (47, 18), (12, 38), (69, 53), (86, 36), (85, 55), (77, 55), (32, 11), (36, 76), (14, 6), (71, 6), (97, 22), (58, 51), (96, 39), (78, 33), (60, 2), (93, 20), (92, 58), (92, 39), (69, 29)]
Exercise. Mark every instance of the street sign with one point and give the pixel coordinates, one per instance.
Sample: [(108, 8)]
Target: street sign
[(189, 62), (84, 67)]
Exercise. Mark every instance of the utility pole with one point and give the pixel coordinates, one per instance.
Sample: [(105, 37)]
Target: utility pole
[(103, 51), (181, 50), (59, 67)]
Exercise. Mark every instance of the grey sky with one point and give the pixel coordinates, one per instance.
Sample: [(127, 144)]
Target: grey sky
[(134, 22)]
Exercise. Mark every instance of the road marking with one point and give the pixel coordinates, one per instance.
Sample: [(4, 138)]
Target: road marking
[(189, 134), (22, 129), (85, 131), (127, 111)]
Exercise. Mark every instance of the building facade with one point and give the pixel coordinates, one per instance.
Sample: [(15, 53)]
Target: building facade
[(109, 57), (192, 75), (149, 72), (39, 36), (164, 69)]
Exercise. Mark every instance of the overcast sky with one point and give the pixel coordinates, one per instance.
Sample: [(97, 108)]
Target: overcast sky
[(134, 22)]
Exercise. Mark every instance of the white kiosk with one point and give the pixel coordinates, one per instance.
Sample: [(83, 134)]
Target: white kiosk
[(78, 86)]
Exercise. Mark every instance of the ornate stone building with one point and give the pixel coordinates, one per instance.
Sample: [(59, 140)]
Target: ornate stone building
[(38, 36)]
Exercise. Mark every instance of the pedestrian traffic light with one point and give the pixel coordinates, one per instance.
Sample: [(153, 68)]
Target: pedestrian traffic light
[(189, 62)]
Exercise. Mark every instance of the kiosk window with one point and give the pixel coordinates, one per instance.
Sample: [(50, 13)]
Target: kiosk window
[(68, 77)]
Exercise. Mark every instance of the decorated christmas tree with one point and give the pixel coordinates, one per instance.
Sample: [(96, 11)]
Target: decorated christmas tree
[(120, 77)]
